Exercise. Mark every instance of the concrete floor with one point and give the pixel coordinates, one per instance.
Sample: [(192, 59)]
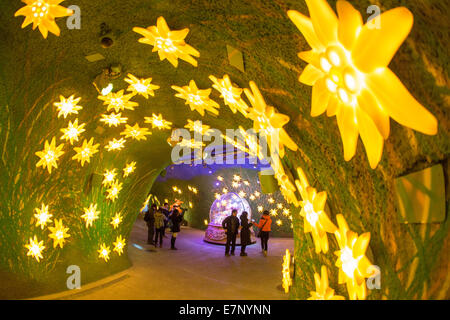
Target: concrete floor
[(197, 270)]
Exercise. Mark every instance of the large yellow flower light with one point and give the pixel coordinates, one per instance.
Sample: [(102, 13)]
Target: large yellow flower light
[(135, 132), (269, 122), (115, 144), (90, 215), (141, 86), (169, 44), (230, 94), (129, 168), (113, 119), (198, 126), (157, 121), (113, 191), (67, 106), (353, 265), (72, 132), (103, 252), (118, 101), (42, 14), (348, 69), (197, 99), (42, 216), (86, 151), (323, 291), (49, 155), (116, 220), (35, 248), (58, 233), (286, 272), (119, 245), (108, 177)]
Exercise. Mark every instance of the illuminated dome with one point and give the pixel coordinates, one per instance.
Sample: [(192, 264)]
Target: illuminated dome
[(222, 207)]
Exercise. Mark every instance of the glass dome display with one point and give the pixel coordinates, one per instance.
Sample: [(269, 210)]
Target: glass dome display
[(222, 207)]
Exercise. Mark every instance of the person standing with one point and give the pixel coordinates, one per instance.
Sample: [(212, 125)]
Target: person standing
[(245, 233), (160, 220), (149, 218), (264, 226), (166, 212), (176, 217), (231, 225)]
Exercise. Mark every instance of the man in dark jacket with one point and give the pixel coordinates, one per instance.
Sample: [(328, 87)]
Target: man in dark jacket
[(149, 218), (231, 226)]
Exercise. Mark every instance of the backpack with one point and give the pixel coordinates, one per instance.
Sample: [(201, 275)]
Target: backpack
[(159, 221)]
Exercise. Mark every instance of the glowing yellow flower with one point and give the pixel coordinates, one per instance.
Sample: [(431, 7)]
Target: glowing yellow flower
[(242, 194), (135, 132), (108, 177), (157, 121), (35, 248), (119, 245), (279, 222), (103, 252), (72, 132), (257, 194), (169, 44), (271, 200), (186, 143), (42, 14), (269, 122), (67, 106), (198, 126), (113, 119), (348, 71), (115, 144), (90, 215), (197, 99), (86, 151), (286, 211), (353, 265), (42, 216), (286, 271), (230, 94), (49, 155), (113, 191), (273, 212), (116, 220), (220, 178), (118, 101), (260, 208), (58, 233), (129, 168), (323, 291), (141, 86)]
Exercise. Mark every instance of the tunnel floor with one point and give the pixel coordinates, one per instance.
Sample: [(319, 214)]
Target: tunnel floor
[(197, 270)]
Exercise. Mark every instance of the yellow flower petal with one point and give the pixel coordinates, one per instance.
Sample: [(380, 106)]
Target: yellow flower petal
[(380, 118), (333, 106), (348, 129), (324, 20), (304, 24), (320, 98), (372, 139), (350, 23), (310, 75)]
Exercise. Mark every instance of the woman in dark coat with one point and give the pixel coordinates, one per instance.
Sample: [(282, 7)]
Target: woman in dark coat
[(245, 233), (176, 217)]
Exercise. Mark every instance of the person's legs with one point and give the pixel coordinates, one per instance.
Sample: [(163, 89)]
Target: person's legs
[(243, 249), (233, 243), (161, 232), (156, 236), (174, 238), (150, 234), (227, 245)]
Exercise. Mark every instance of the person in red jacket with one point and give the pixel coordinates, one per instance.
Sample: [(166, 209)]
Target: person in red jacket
[(264, 226)]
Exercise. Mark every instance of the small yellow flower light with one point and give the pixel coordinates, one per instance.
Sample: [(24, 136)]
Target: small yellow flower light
[(157, 121), (230, 94), (260, 208), (118, 101), (35, 248), (279, 222), (169, 44), (217, 196), (194, 190), (198, 126), (108, 177), (103, 252), (197, 99), (242, 194), (42, 216), (67, 106), (115, 144), (273, 212), (257, 194), (86, 151), (190, 204), (49, 155), (236, 178), (192, 144), (224, 190), (129, 168), (119, 245), (323, 291), (58, 233), (42, 14), (90, 215), (72, 132), (205, 222), (279, 205), (116, 220), (220, 178), (113, 119), (141, 86), (136, 132), (348, 69), (235, 184), (252, 197), (286, 272), (286, 211), (271, 200), (113, 191)]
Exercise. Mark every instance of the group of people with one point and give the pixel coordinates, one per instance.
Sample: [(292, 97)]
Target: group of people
[(231, 225), (158, 219)]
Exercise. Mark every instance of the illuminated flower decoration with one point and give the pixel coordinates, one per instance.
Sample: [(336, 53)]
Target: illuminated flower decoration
[(286, 272), (192, 144), (103, 252), (135, 132), (35, 248), (323, 291), (113, 191), (108, 177), (115, 144), (197, 99), (118, 101), (350, 78), (279, 222), (287, 188), (129, 168), (90, 215), (242, 194), (260, 208), (113, 119), (269, 122), (116, 220), (72, 132), (86, 151), (230, 94), (352, 262), (169, 44), (157, 121), (67, 106), (199, 127), (58, 233), (286, 212), (42, 216), (141, 86), (119, 245), (273, 212), (49, 155), (42, 14)]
